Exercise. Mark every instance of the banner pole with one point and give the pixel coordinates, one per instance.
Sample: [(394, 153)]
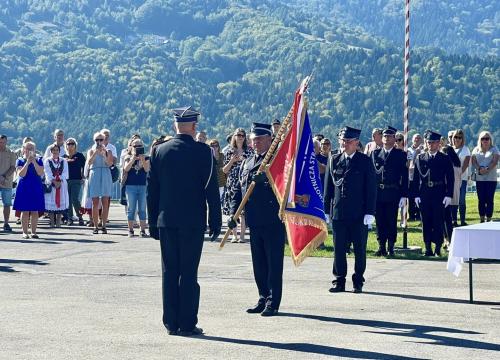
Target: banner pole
[(277, 139)]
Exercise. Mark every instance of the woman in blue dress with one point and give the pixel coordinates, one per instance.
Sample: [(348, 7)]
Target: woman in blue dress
[(29, 198), (100, 184)]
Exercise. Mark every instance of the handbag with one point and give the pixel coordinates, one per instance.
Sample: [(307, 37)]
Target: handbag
[(115, 173), (47, 188)]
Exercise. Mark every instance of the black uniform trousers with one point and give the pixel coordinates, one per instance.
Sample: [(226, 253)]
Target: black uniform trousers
[(267, 244), (345, 233), (432, 212), (180, 253), (386, 215)]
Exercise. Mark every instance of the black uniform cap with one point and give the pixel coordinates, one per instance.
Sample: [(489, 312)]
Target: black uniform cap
[(349, 133), (259, 129), (276, 122), (389, 130), (432, 136), (186, 114)]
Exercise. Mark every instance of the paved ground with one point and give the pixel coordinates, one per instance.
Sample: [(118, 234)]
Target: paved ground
[(74, 295)]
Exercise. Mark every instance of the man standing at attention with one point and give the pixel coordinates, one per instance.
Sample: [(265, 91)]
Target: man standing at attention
[(350, 192), (182, 181), (267, 231), (433, 190), (392, 190)]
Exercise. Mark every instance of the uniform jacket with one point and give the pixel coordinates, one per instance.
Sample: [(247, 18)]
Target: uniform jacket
[(262, 207), (393, 185), (441, 177), (181, 182), (356, 196)]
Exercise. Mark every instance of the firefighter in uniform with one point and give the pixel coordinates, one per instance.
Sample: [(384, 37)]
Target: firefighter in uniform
[(182, 181), (433, 189), (392, 190), (267, 231), (349, 194)]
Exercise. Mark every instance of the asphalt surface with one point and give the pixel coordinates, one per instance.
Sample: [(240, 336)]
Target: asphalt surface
[(74, 295)]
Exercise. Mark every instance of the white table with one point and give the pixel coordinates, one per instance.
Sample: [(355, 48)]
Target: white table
[(479, 241)]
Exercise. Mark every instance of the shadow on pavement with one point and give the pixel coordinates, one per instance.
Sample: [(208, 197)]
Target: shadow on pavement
[(409, 330), (430, 298), (309, 348), (10, 269), (57, 241)]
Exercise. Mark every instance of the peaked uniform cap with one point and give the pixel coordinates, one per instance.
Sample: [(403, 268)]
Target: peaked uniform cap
[(432, 136), (389, 130), (259, 129), (349, 133), (185, 114)]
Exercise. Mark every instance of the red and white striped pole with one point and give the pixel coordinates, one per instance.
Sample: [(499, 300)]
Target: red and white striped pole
[(407, 73), (406, 110)]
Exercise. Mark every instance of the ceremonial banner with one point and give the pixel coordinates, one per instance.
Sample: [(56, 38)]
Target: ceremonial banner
[(294, 176)]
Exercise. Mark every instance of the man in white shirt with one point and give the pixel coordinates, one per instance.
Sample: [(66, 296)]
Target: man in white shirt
[(59, 140), (108, 145)]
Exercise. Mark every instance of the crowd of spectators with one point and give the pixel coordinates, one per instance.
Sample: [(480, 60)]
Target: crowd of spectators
[(66, 184)]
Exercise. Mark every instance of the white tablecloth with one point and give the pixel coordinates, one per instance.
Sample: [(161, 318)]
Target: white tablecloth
[(479, 241)]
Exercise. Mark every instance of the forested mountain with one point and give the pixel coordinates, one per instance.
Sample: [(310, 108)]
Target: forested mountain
[(460, 26), (122, 64)]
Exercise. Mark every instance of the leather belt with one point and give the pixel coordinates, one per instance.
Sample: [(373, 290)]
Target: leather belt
[(388, 186), (431, 184)]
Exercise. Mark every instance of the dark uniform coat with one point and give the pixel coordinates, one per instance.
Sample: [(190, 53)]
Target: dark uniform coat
[(392, 185), (267, 232), (432, 182), (349, 194), (182, 181)]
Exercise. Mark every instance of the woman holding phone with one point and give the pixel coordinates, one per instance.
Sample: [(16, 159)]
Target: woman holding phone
[(233, 159), (135, 170), (100, 183), (29, 198)]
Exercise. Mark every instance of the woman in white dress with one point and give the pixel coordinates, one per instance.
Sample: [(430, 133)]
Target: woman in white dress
[(56, 176)]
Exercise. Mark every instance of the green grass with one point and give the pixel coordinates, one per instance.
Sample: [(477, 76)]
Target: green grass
[(414, 233)]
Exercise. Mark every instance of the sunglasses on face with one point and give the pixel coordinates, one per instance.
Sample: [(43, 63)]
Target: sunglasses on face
[(457, 137), (485, 139), (70, 144), (214, 145), (240, 135), (99, 140), (399, 140)]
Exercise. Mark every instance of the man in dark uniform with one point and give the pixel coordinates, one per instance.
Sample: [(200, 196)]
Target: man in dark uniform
[(350, 192), (267, 231), (182, 181), (433, 188), (392, 189)]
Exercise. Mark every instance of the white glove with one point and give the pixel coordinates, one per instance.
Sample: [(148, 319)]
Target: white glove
[(417, 201), (447, 201), (368, 219), (402, 202)]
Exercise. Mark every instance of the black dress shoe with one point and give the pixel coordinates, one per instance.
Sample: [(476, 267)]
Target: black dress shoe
[(269, 311), (257, 308), (194, 332), (337, 288), (391, 253), (380, 253), (429, 253), (357, 288), (171, 330)]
